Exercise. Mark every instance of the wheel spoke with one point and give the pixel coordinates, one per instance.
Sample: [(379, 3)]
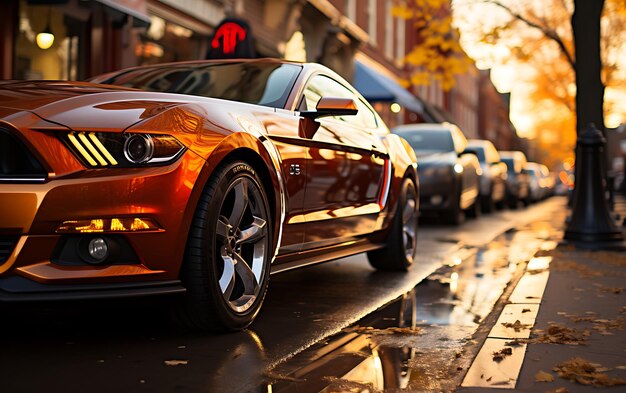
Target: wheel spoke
[(240, 204), (409, 239), (409, 210), (254, 232), (227, 281), (248, 278), (222, 227)]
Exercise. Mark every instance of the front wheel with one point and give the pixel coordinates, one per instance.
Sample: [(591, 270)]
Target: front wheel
[(227, 261), (399, 253)]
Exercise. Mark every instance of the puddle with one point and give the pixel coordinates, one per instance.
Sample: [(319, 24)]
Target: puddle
[(413, 342)]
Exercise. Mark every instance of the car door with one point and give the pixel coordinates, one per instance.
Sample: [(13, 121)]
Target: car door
[(345, 168)]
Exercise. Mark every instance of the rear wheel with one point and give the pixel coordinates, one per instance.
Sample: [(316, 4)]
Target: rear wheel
[(487, 204), (227, 261), (474, 210), (455, 215), (399, 253)]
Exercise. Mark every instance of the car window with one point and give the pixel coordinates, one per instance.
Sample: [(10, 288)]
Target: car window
[(267, 84), (323, 86), (479, 151), (428, 141)]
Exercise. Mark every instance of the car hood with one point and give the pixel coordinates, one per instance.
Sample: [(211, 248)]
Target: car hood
[(436, 159), (86, 106)]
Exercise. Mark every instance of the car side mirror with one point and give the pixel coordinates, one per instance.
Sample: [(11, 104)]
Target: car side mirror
[(332, 106)]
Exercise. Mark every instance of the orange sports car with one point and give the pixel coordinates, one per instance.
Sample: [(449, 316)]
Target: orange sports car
[(196, 178)]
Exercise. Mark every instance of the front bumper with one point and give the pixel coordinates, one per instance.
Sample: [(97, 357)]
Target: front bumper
[(436, 192), (32, 263), (20, 289)]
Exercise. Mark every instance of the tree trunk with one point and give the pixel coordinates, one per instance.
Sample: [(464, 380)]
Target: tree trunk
[(589, 86)]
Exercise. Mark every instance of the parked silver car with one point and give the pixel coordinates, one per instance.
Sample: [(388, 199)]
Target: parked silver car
[(517, 180), (448, 175), (541, 182), (493, 178)]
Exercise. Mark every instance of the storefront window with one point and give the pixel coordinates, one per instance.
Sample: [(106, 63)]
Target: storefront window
[(62, 59), (166, 42)]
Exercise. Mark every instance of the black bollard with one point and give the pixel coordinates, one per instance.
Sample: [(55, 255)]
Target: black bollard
[(591, 220)]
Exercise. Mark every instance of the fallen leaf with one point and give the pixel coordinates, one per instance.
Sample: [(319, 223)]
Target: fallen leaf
[(517, 325), (586, 373), (175, 362), (515, 343), (543, 376), (559, 334), (498, 356)]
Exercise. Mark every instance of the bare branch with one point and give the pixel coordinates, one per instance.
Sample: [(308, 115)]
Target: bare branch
[(549, 33)]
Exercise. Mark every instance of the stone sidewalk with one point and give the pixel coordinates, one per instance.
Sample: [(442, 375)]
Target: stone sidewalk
[(576, 341)]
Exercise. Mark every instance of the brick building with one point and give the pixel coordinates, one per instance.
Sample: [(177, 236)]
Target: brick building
[(360, 39)]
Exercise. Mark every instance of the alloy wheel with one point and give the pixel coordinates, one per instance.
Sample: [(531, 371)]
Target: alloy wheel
[(242, 242)]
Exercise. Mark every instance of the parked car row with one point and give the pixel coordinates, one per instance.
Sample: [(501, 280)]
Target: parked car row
[(460, 177), (200, 179)]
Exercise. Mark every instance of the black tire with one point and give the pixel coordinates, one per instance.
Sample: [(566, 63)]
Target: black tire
[(227, 260), (455, 215), (474, 210), (487, 204), (399, 254)]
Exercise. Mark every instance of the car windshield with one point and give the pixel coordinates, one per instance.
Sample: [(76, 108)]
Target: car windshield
[(427, 141), (267, 84), (510, 164), (479, 151)]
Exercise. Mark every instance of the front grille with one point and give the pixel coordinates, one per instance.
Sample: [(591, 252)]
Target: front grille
[(7, 244), (17, 164)]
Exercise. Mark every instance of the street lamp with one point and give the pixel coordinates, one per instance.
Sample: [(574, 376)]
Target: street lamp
[(45, 39)]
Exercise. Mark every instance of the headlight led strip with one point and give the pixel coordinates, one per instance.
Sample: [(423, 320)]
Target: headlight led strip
[(89, 141)]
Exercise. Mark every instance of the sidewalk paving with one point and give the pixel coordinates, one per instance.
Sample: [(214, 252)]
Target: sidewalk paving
[(578, 341)]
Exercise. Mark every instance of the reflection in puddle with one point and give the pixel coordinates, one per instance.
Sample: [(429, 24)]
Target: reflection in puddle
[(413, 342)]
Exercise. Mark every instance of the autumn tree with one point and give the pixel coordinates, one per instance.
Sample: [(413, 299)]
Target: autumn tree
[(438, 54), (563, 41)]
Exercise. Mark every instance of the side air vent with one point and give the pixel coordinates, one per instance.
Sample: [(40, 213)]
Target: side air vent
[(17, 164), (7, 244)]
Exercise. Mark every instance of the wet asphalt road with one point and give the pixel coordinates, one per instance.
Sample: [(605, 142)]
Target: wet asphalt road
[(128, 346)]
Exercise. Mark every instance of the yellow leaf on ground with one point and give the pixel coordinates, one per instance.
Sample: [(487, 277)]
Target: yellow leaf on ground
[(543, 376)]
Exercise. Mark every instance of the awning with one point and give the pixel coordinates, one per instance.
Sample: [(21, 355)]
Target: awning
[(134, 8), (376, 87)]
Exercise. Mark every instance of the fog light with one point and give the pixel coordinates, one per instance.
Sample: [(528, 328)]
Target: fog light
[(98, 249)]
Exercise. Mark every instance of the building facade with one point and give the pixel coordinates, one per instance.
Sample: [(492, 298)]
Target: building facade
[(360, 39)]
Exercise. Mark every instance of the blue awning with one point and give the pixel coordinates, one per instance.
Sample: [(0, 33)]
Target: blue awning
[(376, 87)]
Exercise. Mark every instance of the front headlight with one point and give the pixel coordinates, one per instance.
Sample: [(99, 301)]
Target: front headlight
[(101, 149)]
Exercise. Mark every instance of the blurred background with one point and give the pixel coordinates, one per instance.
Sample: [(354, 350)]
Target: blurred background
[(500, 70)]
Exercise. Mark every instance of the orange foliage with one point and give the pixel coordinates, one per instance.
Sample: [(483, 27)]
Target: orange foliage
[(439, 55)]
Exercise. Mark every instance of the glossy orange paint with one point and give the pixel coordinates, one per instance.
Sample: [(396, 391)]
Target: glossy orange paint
[(331, 207)]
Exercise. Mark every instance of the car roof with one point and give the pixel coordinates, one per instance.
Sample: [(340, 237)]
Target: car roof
[(424, 126), (478, 142)]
